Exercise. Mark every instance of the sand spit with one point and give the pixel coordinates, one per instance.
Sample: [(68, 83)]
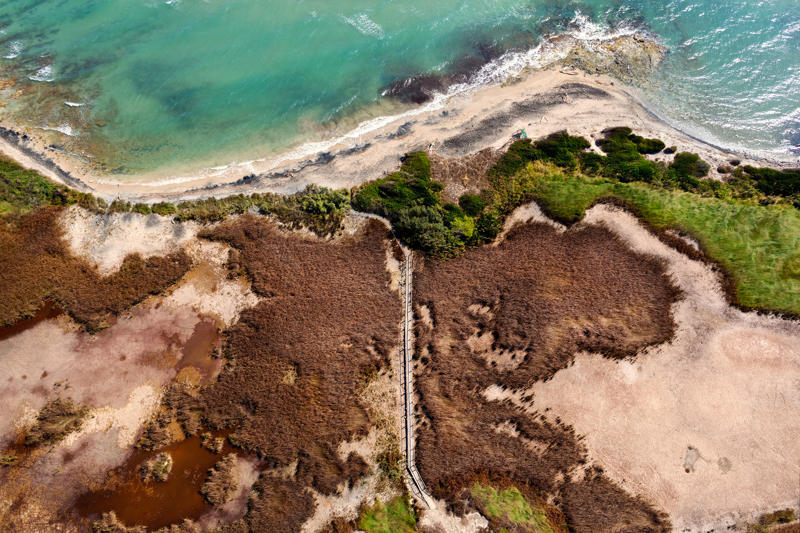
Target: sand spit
[(541, 102), (705, 426)]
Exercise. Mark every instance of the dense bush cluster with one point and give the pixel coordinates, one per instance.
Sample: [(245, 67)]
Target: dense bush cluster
[(412, 201), (774, 182)]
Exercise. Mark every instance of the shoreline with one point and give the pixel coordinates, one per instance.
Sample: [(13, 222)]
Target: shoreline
[(539, 101)]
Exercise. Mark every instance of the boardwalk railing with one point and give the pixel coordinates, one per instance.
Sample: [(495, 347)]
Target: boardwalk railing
[(413, 478)]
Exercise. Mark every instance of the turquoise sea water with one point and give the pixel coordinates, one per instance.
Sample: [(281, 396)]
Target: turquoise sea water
[(141, 85)]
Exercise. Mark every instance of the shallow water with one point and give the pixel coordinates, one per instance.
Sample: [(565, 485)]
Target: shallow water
[(156, 504), (142, 85)]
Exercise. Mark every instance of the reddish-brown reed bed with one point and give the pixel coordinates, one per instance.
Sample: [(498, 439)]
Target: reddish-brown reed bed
[(299, 358), (509, 316), (37, 266)]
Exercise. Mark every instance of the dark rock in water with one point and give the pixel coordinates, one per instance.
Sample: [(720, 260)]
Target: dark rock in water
[(416, 89), (421, 88)]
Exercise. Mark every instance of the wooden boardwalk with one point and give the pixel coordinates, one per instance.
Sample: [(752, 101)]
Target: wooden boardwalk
[(413, 479)]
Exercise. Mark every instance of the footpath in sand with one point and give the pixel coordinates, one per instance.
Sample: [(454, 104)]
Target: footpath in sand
[(705, 426)]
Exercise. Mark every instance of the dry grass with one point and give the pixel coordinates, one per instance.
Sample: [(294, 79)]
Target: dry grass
[(56, 420), (327, 319), (37, 266), (221, 484), (463, 174), (545, 295)]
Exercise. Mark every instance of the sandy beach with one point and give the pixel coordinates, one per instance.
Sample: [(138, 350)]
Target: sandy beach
[(540, 102)]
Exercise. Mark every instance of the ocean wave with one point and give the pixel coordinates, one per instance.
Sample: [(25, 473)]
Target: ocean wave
[(43, 74), (66, 129), (580, 29), (14, 50), (365, 25)]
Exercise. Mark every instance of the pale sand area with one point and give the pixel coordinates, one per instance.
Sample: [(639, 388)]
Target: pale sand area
[(540, 101), (721, 400)]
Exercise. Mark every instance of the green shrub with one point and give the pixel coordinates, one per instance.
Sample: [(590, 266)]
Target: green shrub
[(488, 227), (119, 206), (423, 227), (623, 160), (22, 190), (782, 516), (591, 163), (322, 201), (560, 148), (775, 182), (647, 146), (519, 154), (471, 204), (689, 165), (142, 209), (163, 209)]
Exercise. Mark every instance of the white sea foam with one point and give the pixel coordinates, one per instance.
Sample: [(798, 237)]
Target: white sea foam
[(14, 49), (65, 128), (365, 25), (43, 74), (510, 64)]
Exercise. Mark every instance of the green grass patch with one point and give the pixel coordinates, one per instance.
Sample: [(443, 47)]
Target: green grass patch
[(756, 244), (509, 505), (397, 516), (22, 190)]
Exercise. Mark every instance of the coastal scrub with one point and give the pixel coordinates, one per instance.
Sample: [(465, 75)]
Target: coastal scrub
[(509, 507), (396, 516)]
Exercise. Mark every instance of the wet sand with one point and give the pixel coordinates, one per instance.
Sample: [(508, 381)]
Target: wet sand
[(540, 102)]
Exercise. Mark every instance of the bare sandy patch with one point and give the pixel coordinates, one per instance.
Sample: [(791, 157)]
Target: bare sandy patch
[(105, 240), (346, 502), (439, 520), (208, 288), (705, 426)]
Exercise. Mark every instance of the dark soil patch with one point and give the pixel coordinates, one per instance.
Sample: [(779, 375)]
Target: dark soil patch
[(37, 266), (540, 296), (300, 357)]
